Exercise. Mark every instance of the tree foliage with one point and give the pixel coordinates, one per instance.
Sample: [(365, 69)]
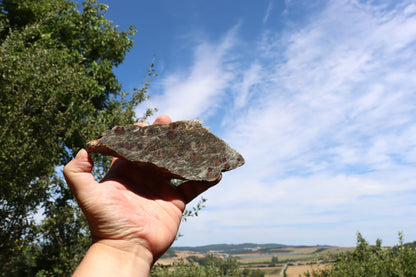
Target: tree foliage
[(57, 91), (372, 260)]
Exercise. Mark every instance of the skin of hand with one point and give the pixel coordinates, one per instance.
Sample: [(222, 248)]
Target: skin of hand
[(133, 214)]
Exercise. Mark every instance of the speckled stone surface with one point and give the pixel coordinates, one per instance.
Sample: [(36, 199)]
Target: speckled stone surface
[(182, 149)]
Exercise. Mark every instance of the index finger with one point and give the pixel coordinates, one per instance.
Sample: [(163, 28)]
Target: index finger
[(161, 119)]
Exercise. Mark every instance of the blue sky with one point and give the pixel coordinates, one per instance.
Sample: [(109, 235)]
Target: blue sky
[(318, 96)]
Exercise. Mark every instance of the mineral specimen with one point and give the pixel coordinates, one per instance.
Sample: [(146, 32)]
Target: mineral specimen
[(182, 149)]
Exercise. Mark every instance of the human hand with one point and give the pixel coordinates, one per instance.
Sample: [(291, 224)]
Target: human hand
[(132, 211)]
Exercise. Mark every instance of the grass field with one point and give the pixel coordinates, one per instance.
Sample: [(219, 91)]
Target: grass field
[(289, 255), (298, 269), (179, 255), (299, 260)]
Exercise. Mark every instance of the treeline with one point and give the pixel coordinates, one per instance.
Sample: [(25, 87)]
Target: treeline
[(227, 248), (208, 266), (371, 260)]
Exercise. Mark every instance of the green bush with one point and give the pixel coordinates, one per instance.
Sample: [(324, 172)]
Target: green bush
[(372, 260)]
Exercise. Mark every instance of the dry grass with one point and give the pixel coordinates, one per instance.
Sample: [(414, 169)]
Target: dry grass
[(272, 275), (180, 255), (301, 268)]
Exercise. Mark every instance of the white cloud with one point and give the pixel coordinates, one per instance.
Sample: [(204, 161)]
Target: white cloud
[(268, 11), (243, 91), (410, 9), (323, 114), (198, 92), (297, 207), (337, 88)]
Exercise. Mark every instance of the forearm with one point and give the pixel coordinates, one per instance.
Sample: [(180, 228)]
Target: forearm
[(104, 260)]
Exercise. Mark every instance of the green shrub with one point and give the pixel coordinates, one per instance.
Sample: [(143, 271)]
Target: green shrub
[(371, 260)]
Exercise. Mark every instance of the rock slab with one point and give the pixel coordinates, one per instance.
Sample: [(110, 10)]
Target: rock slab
[(183, 149)]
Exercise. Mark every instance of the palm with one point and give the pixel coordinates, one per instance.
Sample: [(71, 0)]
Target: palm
[(133, 205)]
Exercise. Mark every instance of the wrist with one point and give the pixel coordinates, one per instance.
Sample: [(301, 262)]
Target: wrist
[(113, 258)]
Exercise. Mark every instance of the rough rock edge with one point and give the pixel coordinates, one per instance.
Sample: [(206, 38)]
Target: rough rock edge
[(173, 133)]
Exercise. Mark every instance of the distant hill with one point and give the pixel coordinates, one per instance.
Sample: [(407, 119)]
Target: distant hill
[(230, 248), (411, 245)]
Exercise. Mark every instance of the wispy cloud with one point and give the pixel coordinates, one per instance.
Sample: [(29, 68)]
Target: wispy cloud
[(324, 115), (287, 4), (197, 91), (268, 11)]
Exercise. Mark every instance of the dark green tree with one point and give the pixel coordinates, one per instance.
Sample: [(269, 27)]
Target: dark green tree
[(274, 261), (57, 91)]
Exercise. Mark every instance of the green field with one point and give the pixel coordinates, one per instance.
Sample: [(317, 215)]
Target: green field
[(288, 255), (269, 260)]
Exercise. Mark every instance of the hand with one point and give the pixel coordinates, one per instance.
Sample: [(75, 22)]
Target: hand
[(131, 212)]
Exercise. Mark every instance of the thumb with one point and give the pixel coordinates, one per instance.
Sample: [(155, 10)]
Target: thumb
[(78, 173)]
